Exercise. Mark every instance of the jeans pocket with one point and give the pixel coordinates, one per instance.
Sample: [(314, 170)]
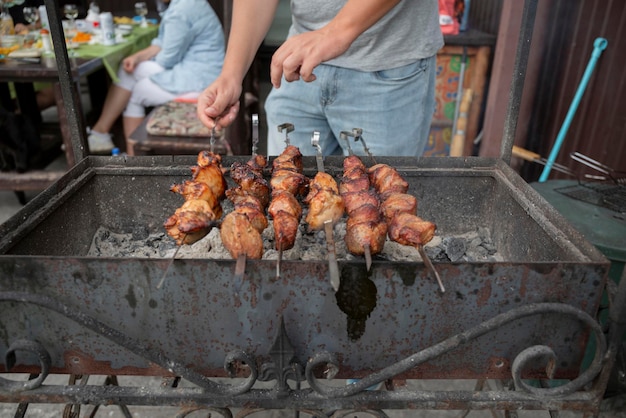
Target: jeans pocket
[(404, 72)]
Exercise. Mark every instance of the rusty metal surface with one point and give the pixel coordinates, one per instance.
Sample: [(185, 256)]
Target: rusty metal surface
[(201, 313)]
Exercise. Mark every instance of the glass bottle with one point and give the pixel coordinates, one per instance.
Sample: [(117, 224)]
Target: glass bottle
[(6, 23)]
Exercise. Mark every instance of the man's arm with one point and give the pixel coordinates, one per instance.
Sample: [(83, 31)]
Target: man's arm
[(250, 23), (299, 55)]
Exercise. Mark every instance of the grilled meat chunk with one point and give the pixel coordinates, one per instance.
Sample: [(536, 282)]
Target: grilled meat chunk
[(354, 200), (289, 181), (286, 213), (191, 222), (195, 190), (248, 205), (249, 177), (397, 203), (289, 159), (325, 203), (362, 234), (408, 229), (209, 171), (387, 180), (239, 236)]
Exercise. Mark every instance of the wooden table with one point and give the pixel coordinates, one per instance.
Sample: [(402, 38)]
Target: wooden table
[(23, 75), (97, 63)]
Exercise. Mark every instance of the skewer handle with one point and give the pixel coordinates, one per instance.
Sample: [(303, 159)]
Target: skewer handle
[(287, 127), (213, 132), (333, 267), (240, 267), (319, 158), (368, 257), (255, 133), (431, 267), (345, 135)]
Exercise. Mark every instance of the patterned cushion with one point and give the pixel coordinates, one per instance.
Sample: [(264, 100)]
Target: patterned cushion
[(176, 119)]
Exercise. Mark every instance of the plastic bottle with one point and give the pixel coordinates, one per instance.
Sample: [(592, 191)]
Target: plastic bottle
[(46, 41), (108, 28), (43, 17)]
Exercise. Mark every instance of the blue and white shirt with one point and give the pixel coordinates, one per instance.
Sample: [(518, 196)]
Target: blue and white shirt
[(192, 45)]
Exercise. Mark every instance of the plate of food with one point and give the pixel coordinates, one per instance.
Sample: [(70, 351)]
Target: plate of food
[(81, 38), (25, 53)]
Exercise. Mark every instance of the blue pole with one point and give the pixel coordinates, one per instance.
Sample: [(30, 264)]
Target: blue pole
[(599, 45)]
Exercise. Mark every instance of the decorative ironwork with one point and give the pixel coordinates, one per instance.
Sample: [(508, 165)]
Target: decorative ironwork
[(151, 354), (284, 366)]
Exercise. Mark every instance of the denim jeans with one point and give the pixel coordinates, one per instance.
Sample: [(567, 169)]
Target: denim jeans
[(394, 109)]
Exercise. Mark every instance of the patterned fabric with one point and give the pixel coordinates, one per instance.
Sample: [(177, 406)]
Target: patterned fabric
[(176, 119)]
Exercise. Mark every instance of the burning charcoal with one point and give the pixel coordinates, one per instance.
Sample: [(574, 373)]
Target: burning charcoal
[(455, 248)]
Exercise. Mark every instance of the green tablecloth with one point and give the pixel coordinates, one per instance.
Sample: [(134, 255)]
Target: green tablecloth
[(113, 55)]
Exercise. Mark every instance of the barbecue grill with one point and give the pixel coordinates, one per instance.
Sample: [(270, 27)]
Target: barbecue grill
[(527, 317)]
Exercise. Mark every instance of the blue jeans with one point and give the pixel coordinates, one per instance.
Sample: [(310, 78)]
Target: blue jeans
[(394, 109)]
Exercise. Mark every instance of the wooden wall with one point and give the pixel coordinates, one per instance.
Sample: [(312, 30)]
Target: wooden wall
[(561, 47), (598, 128)]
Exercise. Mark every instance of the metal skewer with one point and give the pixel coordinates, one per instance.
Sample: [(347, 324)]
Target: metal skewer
[(255, 133), (169, 264), (346, 135), (358, 136), (279, 259), (333, 267), (240, 267), (431, 267), (213, 132), (319, 158), (591, 163), (286, 127)]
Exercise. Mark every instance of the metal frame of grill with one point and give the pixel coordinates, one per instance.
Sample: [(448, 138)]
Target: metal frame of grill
[(280, 365)]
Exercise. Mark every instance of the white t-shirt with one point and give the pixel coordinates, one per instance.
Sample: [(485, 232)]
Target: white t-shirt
[(408, 32)]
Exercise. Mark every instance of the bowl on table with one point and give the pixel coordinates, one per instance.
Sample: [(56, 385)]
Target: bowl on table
[(10, 43)]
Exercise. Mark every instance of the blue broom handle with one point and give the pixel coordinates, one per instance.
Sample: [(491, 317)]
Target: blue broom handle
[(599, 45)]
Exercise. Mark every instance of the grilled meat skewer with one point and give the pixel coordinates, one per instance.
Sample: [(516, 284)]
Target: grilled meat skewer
[(195, 218), (287, 183), (400, 210), (241, 229), (366, 230)]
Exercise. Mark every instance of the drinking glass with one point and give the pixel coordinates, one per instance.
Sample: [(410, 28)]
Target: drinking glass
[(71, 12), (141, 8), (31, 14)]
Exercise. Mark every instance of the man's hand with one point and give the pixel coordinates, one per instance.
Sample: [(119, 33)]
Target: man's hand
[(299, 55), (218, 104)]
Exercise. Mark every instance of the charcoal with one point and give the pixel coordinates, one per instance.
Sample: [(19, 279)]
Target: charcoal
[(474, 245), (455, 248)]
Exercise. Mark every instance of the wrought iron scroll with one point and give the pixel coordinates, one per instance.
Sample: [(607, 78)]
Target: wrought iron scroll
[(329, 361), (151, 354), (284, 365)]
